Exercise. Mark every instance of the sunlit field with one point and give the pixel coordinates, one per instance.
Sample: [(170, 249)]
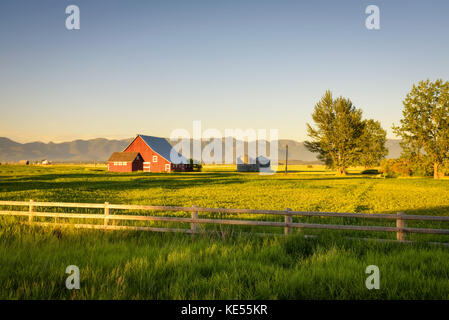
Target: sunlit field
[(231, 262)]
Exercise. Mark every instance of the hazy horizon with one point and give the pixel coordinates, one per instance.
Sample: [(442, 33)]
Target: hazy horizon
[(126, 138)]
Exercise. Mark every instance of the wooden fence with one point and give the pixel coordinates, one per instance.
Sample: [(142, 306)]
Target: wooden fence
[(288, 225)]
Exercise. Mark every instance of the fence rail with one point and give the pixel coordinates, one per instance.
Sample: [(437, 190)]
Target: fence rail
[(288, 225)]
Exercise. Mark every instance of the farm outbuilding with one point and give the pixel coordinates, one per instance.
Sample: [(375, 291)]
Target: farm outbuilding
[(247, 164), (157, 155), (263, 163), (125, 162)]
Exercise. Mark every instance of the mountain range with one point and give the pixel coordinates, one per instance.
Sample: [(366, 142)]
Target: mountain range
[(100, 149)]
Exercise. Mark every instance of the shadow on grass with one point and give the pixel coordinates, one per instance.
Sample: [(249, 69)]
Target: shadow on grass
[(103, 182), (432, 211), (307, 171), (321, 178), (138, 180)]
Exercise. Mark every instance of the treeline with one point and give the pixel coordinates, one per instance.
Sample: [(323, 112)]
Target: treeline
[(342, 138)]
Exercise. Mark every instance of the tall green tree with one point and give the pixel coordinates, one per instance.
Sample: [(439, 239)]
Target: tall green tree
[(338, 132), (424, 129), (373, 144)]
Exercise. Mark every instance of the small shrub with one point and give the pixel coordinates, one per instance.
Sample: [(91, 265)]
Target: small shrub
[(445, 168), (370, 171), (396, 168)]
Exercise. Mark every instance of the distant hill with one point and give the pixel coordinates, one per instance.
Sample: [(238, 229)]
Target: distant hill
[(73, 151), (394, 148), (100, 150), (297, 150)]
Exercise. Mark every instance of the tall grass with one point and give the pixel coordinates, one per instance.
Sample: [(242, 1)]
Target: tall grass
[(227, 265), (140, 265)]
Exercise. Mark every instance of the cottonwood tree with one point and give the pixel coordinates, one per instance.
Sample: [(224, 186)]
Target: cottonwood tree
[(424, 129), (373, 144), (338, 132)]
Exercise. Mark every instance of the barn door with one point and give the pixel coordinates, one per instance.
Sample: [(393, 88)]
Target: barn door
[(147, 166)]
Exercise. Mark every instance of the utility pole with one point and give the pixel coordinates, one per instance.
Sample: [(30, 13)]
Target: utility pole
[(286, 157)]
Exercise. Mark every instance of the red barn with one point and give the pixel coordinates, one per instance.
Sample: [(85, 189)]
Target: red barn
[(158, 155), (125, 162)]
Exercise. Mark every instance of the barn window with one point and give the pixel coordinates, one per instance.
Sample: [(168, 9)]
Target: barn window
[(154, 158), (167, 167), (115, 163)]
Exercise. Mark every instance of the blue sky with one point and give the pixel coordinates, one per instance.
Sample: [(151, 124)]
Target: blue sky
[(154, 66)]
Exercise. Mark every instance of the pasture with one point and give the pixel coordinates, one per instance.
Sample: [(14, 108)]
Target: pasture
[(225, 264)]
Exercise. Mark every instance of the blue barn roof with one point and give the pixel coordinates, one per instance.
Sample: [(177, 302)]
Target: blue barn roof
[(164, 149)]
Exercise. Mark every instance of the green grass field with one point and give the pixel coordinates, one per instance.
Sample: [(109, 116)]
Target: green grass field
[(226, 264)]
